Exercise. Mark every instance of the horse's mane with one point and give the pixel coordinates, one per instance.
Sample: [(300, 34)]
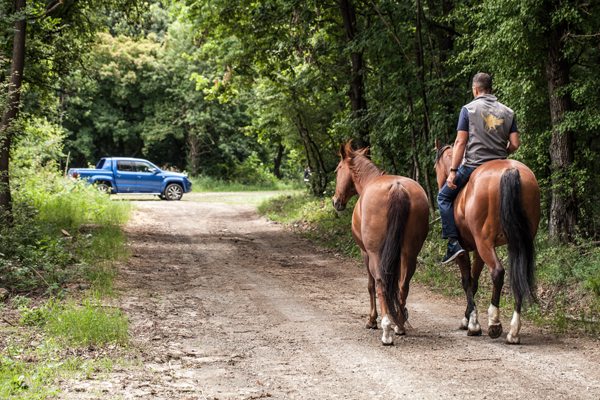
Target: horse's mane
[(360, 165), (440, 151)]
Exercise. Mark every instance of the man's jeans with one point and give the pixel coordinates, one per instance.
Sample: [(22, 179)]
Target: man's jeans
[(446, 198)]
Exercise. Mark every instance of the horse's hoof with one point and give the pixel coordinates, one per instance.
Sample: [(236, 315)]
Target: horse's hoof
[(391, 343), (510, 339), (371, 325), (399, 332), (474, 333), (494, 331), (464, 324)]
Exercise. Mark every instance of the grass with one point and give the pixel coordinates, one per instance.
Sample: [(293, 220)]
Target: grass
[(203, 184), (62, 232), (248, 198), (34, 352), (87, 322), (568, 278)]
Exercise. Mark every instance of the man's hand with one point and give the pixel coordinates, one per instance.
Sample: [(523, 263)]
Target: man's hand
[(450, 180)]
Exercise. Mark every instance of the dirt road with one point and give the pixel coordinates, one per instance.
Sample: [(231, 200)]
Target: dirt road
[(228, 305)]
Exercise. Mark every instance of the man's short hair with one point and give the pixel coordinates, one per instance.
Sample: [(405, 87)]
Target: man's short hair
[(483, 82)]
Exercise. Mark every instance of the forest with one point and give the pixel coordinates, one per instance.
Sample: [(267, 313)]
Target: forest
[(251, 94), (223, 88)]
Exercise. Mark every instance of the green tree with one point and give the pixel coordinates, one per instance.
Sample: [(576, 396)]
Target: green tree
[(44, 40)]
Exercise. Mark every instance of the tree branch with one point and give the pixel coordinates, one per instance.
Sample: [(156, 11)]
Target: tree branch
[(392, 32), (54, 7)]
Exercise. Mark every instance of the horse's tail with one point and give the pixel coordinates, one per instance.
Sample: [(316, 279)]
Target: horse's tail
[(519, 237), (391, 249)]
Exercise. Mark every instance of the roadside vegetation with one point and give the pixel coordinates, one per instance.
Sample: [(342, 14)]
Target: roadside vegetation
[(251, 175), (59, 255), (568, 277)]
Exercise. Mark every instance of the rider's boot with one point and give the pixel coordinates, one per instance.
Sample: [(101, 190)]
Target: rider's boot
[(454, 250)]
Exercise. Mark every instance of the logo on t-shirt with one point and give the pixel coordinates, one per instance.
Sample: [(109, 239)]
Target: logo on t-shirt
[(491, 122)]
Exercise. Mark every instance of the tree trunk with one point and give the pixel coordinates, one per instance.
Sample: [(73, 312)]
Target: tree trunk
[(563, 207), (194, 154), (277, 161), (12, 107), (421, 71), (358, 103)]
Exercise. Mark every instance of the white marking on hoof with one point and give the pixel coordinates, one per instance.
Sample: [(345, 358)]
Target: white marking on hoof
[(387, 337), (473, 322), (399, 331), (464, 324), (515, 327), (494, 315)]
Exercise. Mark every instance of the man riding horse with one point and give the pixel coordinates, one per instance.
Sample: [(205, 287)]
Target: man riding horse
[(485, 126)]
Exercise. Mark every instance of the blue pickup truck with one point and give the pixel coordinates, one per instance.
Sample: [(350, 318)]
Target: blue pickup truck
[(124, 175)]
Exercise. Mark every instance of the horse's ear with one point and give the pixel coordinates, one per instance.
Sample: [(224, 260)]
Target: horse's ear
[(365, 151), (437, 144), (342, 150)]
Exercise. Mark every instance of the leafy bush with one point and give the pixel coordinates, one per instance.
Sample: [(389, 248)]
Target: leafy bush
[(34, 250)]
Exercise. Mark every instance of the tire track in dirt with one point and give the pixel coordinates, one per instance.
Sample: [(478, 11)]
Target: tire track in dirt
[(228, 305)]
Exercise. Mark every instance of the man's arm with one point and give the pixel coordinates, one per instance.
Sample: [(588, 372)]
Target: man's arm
[(457, 155), (513, 143)]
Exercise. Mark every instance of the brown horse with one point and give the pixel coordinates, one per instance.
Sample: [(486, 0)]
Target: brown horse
[(390, 224), (499, 205)]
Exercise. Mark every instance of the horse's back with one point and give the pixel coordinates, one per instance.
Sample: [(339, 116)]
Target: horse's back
[(373, 207), (479, 204)]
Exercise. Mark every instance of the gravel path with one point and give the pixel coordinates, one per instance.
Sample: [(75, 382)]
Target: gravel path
[(228, 305)]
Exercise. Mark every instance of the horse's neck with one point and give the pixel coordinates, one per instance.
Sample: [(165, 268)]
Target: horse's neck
[(364, 173)]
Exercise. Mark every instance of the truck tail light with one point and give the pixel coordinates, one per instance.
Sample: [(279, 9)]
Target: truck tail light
[(75, 175)]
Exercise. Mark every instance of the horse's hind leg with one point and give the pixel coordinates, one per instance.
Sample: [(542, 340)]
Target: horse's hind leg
[(470, 321), (386, 323), (372, 322), (515, 323), (494, 325), (408, 267), (488, 255)]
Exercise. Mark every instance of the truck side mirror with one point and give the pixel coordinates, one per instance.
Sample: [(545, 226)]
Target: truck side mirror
[(156, 171)]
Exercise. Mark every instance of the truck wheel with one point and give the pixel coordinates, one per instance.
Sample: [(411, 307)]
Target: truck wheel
[(174, 192), (104, 187)]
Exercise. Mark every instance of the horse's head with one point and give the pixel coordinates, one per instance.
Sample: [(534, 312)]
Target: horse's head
[(344, 186), (443, 162)]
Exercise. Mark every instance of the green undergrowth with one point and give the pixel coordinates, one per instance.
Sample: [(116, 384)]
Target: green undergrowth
[(204, 184), (59, 252), (316, 219), (77, 338), (568, 277), (61, 232)]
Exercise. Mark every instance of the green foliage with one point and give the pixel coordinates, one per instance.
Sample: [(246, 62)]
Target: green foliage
[(209, 184), (316, 219), (140, 101), (33, 250), (32, 360)]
